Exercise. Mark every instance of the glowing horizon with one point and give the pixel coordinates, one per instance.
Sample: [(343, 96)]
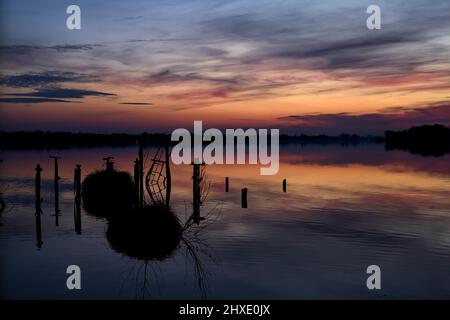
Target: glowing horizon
[(296, 65)]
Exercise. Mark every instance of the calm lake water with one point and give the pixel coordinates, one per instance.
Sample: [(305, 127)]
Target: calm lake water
[(345, 208)]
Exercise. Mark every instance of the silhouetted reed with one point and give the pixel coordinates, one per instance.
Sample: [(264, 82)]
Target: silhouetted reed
[(107, 193)]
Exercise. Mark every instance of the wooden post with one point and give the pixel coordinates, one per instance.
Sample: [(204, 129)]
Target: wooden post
[(136, 183), (77, 182), (284, 185), (196, 192), (77, 190), (56, 189), (168, 177), (227, 184), (38, 202), (141, 172), (38, 189), (244, 197), (2, 203), (109, 163)]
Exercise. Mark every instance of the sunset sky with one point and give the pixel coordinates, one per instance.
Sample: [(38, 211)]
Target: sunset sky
[(302, 66)]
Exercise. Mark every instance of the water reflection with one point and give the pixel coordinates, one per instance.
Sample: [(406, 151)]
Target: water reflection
[(56, 189), (2, 207), (152, 235), (38, 209), (344, 208), (2, 203), (148, 232)]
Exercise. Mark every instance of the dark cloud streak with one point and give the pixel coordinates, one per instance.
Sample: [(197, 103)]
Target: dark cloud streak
[(390, 119), (167, 76), (61, 93), (137, 103), (36, 79), (31, 100), (23, 49)]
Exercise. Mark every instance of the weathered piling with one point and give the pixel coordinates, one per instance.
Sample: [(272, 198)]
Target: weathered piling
[(38, 202), (284, 185), (141, 172), (77, 182), (196, 192), (227, 184), (168, 176), (2, 203), (244, 197), (77, 191), (136, 183), (56, 189), (109, 163)]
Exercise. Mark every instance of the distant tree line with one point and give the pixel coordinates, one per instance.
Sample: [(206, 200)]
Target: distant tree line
[(425, 140), (64, 140), (322, 138)]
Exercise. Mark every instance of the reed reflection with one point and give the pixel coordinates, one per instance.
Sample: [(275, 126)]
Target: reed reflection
[(148, 230)]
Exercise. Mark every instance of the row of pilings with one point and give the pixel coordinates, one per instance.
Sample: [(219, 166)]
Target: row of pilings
[(38, 199), (138, 198), (138, 180)]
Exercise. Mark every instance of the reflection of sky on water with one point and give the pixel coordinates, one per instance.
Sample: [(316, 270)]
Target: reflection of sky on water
[(365, 154), (342, 212)]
